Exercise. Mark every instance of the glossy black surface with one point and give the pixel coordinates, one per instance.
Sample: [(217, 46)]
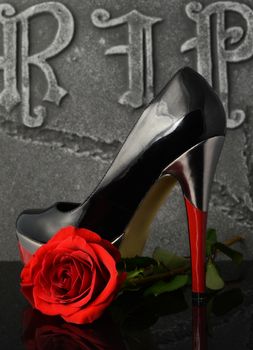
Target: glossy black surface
[(186, 112), (163, 323)]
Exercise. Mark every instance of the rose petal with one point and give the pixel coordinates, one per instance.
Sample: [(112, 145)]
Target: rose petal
[(73, 275), (112, 284), (86, 315), (50, 308)]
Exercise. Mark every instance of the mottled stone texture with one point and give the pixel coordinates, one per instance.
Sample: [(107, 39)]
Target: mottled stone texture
[(65, 157)]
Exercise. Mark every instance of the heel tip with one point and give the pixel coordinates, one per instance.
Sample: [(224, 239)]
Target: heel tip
[(199, 299)]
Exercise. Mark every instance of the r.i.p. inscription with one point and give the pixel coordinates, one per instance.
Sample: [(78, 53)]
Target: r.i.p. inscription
[(140, 87)]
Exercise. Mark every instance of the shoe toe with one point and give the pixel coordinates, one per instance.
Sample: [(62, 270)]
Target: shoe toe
[(41, 224), (27, 223)]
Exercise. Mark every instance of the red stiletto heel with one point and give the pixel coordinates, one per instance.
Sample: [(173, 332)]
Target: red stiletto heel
[(197, 220), (195, 171)]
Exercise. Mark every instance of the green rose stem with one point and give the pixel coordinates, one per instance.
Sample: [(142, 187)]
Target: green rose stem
[(233, 240), (228, 243), (140, 281)]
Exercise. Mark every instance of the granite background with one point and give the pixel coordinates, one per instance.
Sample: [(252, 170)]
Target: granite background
[(63, 159)]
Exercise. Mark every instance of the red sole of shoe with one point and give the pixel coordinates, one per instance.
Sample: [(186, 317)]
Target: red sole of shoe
[(197, 220)]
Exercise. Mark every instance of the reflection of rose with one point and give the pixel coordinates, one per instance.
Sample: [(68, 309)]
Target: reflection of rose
[(73, 275), (41, 332)]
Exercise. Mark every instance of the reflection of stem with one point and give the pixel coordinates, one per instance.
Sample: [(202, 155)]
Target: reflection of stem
[(137, 282)]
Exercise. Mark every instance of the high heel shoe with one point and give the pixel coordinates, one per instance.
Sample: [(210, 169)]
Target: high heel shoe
[(178, 137)]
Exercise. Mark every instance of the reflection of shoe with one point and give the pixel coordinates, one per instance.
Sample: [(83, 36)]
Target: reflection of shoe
[(199, 327), (180, 133)]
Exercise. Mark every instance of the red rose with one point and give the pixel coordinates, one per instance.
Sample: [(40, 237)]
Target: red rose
[(73, 275)]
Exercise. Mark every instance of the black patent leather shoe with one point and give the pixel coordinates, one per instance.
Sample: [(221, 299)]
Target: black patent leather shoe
[(178, 137)]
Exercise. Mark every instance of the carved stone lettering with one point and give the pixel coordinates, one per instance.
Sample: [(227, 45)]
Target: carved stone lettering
[(231, 44), (202, 43), (139, 51), (10, 96)]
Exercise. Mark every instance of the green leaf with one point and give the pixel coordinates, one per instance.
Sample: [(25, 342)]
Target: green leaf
[(168, 259), (137, 262), (167, 286), (213, 278), (211, 239), (134, 274), (231, 253)]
